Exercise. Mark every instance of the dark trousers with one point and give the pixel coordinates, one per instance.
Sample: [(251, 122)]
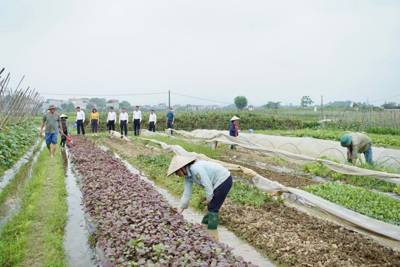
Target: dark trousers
[(111, 125), (170, 125), (220, 194), (94, 126), (80, 126), (64, 138), (136, 126), (124, 127), (152, 127)]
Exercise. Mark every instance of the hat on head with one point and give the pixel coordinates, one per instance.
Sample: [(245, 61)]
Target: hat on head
[(345, 140), (52, 107), (64, 116), (178, 162), (234, 118)]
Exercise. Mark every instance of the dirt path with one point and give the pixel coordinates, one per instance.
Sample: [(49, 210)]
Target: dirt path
[(298, 239)]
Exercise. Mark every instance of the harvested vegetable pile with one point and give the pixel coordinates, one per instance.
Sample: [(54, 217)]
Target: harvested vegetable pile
[(135, 225)]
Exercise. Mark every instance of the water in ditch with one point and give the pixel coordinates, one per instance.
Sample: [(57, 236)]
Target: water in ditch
[(76, 243), (222, 234), (12, 204)]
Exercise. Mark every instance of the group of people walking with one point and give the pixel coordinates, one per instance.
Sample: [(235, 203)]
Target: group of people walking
[(123, 120)]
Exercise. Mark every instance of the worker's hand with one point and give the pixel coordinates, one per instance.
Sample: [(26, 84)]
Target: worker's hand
[(206, 202), (180, 210), (62, 133), (41, 133)]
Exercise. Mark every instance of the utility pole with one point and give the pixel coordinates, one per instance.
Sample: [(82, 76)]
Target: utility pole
[(322, 108), (169, 99)]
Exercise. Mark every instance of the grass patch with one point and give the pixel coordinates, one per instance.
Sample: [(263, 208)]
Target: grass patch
[(34, 236)]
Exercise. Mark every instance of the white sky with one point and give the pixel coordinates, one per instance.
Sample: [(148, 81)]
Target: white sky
[(217, 50)]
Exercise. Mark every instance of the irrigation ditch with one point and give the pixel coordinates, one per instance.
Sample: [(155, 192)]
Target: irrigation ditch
[(298, 237)]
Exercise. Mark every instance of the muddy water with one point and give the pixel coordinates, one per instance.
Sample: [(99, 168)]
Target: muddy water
[(10, 173), (222, 234), (76, 242), (12, 204)]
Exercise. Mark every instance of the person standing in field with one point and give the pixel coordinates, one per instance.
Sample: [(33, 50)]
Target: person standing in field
[(137, 119), (94, 120), (53, 121), (111, 118), (234, 129), (152, 121), (357, 143), (123, 122), (170, 120), (64, 129), (80, 120), (214, 178)]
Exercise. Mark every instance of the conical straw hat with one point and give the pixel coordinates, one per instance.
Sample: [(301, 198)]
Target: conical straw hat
[(234, 118), (178, 162), (63, 116)]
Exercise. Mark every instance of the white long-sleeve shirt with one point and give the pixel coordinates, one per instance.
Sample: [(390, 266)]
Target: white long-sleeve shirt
[(153, 117), (112, 116), (80, 115), (123, 117), (137, 115)]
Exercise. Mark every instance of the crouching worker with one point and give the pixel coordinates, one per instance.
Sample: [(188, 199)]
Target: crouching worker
[(357, 143), (216, 180)]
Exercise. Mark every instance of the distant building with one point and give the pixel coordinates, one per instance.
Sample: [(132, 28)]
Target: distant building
[(162, 106), (49, 102), (113, 103), (250, 107), (77, 102)]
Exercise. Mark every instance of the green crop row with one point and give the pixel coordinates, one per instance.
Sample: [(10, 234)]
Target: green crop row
[(14, 142), (240, 193), (372, 204)]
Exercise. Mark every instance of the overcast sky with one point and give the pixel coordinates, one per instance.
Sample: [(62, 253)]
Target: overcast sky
[(216, 50)]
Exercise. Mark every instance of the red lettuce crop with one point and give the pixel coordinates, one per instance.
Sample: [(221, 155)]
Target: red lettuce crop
[(135, 226)]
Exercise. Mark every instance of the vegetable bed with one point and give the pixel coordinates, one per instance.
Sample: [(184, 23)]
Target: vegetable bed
[(135, 225), (372, 204)]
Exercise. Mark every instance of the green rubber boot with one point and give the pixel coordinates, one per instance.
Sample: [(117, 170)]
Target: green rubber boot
[(213, 218), (205, 218)]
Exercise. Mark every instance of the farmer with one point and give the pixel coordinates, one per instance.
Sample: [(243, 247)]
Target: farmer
[(80, 120), (357, 143), (111, 118), (94, 120), (137, 119), (53, 121), (216, 180), (170, 120), (64, 124), (152, 121), (123, 122), (234, 129)]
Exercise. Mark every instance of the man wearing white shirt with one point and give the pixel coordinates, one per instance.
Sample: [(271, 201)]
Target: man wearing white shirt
[(112, 117), (80, 120), (137, 119), (123, 122), (152, 121)]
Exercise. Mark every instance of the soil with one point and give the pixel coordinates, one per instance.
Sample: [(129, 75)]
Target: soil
[(291, 238), (299, 239)]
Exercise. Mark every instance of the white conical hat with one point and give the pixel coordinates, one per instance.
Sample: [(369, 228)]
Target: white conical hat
[(63, 116), (234, 118), (178, 162)]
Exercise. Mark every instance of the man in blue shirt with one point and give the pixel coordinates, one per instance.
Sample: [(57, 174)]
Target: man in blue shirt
[(216, 180), (170, 120)]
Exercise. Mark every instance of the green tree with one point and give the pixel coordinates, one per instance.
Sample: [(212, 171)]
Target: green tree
[(390, 105), (124, 104), (240, 102), (306, 101), (272, 105), (70, 107), (64, 105)]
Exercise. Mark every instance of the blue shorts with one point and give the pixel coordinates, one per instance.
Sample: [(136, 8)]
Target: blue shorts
[(51, 138)]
